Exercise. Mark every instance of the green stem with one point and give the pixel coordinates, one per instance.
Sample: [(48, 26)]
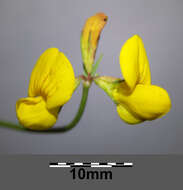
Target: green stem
[(78, 115), (65, 128), (11, 125)]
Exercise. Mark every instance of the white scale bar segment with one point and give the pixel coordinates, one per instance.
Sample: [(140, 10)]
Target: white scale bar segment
[(101, 166), (59, 166), (62, 163), (94, 163), (111, 163), (78, 164), (128, 164)]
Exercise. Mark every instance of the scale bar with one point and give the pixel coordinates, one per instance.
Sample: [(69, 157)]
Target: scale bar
[(90, 164)]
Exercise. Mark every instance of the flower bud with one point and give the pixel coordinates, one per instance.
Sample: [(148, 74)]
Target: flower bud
[(89, 39)]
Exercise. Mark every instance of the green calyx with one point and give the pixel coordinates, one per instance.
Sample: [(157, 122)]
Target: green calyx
[(108, 84)]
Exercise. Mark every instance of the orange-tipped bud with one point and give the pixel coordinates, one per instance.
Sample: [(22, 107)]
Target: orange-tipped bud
[(89, 38)]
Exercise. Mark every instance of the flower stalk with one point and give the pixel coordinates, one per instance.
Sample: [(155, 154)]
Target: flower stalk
[(79, 113)]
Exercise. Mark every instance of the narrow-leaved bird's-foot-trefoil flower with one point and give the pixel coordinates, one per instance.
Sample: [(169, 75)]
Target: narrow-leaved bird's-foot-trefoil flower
[(51, 85), (89, 38), (136, 98)]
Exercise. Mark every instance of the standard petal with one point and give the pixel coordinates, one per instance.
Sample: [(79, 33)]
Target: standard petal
[(52, 78), (126, 116), (33, 114), (134, 63), (63, 76), (148, 102), (41, 71)]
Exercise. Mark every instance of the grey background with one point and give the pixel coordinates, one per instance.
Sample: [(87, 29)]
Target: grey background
[(164, 172), (29, 27)]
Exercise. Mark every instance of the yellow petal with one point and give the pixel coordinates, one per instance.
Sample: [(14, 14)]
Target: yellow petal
[(134, 63), (148, 102), (126, 116), (33, 114), (52, 78)]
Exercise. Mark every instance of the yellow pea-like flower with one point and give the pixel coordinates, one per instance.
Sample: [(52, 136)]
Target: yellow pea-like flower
[(51, 85), (136, 98)]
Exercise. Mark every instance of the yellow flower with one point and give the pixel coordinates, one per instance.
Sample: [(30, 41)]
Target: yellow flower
[(89, 38), (52, 83), (136, 98)]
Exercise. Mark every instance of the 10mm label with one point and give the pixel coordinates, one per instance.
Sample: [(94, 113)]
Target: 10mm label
[(82, 174)]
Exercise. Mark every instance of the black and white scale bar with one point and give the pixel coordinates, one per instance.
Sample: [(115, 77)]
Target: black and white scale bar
[(90, 164)]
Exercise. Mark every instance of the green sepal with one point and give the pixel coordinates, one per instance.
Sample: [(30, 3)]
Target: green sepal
[(77, 82), (94, 68), (85, 71), (108, 84)]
